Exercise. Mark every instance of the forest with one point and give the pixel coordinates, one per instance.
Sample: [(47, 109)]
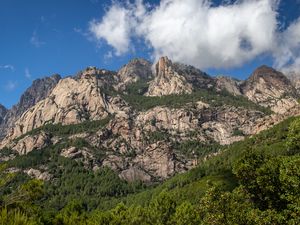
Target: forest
[(255, 181)]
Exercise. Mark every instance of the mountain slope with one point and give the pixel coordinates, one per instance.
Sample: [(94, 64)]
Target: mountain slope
[(108, 119), (174, 78), (38, 91), (220, 185), (3, 112), (270, 88)]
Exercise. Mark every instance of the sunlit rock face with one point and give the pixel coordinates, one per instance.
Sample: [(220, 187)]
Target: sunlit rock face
[(270, 88), (142, 144)]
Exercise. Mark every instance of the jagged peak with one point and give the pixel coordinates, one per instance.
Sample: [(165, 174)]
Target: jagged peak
[(133, 71), (266, 72), (162, 64), (93, 71), (54, 77), (2, 106), (3, 111), (136, 62)]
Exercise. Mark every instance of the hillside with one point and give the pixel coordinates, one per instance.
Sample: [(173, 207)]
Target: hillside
[(164, 142), (255, 181)]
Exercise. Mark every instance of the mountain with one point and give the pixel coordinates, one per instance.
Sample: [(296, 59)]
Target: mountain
[(270, 88), (143, 118), (38, 91), (145, 125), (174, 78), (134, 71), (151, 135), (3, 112), (294, 77), (233, 86)]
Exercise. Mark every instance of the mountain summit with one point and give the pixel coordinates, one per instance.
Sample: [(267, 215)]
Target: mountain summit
[(136, 121)]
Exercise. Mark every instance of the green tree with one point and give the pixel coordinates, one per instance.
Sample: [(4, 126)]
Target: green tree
[(186, 214), (293, 138)]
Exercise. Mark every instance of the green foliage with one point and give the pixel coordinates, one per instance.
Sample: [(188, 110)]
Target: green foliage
[(16, 217), (142, 103), (293, 140), (156, 136), (137, 88), (66, 130), (196, 149), (255, 181), (238, 132)]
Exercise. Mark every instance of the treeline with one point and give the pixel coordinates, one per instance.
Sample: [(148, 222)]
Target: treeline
[(256, 181), (134, 96)]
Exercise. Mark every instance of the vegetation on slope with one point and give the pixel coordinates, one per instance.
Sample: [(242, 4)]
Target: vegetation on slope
[(255, 181), (66, 130), (136, 99)]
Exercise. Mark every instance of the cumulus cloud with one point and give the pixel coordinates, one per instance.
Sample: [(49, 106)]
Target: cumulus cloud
[(193, 31), (114, 28), (287, 53), (199, 33)]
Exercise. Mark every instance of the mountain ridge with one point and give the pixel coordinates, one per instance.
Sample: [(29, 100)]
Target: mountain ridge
[(177, 105)]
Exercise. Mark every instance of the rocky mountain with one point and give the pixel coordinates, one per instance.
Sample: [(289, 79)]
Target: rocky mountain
[(174, 78), (38, 91), (270, 88), (233, 86), (135, 70), (3, 112), (101, 118), (294, 77)]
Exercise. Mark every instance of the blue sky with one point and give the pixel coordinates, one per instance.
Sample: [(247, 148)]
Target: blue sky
[(42, 37)]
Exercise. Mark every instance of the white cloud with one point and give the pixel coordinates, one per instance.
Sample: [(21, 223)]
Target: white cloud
[(8, 67), (201, 34), (114, 28), (35, 40), (11, 85), (194, 32), (27, 73), (287, 54)]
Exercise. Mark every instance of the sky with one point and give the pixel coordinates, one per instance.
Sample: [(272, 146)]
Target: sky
[(44, 37)]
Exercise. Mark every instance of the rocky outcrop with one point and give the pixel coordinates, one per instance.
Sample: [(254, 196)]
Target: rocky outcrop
[(229, 84), (135, 174), (37, 174), (39, 90), (270, 88), (83, 155), (135, 70), (167, 81), (71, 101), (30, 143), (269, 121), (294, 77), (160, 161), (142, 145), (175, 78)]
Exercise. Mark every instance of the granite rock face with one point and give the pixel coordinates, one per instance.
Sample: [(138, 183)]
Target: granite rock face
[(229, 84), (71, 101), (294, 77), (143, 144), (135, 70), (39, 90), (270, 88), (174, 78)]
